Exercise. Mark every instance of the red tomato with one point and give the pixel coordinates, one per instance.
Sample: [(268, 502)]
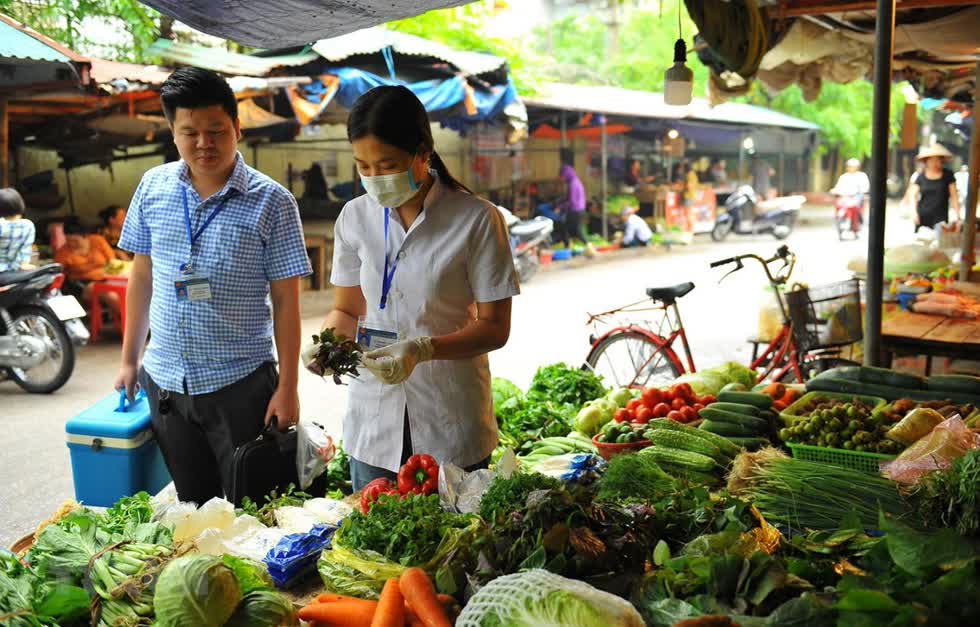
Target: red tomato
[(678, 403), (689, 414), (684, 390), (643, 415), (621, 415), (632, 414), (634, 404), (697, 407), (707, 399), (661, 410), (652, 396), (668, 395), (676, 416)]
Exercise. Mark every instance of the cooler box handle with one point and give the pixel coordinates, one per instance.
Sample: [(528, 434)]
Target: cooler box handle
[(125, 405)]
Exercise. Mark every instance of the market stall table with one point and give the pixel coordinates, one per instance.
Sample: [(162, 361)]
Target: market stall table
[(933, 336)]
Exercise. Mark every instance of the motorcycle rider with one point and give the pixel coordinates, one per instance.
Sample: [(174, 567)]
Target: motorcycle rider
[(854, 183)]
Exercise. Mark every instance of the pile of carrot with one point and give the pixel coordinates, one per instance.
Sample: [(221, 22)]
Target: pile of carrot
[(781, 395), (409, 601)]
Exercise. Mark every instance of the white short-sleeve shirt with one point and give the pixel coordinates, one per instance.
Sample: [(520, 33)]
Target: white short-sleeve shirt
[(456, 253)]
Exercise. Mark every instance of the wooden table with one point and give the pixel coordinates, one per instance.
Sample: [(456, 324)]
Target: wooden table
[(929, 335)]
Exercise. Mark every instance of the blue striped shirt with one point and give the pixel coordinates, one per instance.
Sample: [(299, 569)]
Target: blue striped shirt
[(257, 237), (16, 242)]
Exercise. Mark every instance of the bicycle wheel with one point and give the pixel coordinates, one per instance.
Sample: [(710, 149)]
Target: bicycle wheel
[(633, 359), (815, 366)]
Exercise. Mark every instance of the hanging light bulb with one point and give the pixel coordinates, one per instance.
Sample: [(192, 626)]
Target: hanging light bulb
[(673, 134), (679, 79)]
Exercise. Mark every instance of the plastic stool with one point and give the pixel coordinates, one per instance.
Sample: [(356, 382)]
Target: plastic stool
[(108, 286)]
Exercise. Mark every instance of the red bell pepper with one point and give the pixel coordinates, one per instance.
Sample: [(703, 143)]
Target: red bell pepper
[(373, 490), (419, 475)]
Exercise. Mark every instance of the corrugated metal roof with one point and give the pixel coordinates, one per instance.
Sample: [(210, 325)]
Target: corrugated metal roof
[(226, 62), (105, 71), (373, 40), (283, 23), (19, 41), (645, 104)]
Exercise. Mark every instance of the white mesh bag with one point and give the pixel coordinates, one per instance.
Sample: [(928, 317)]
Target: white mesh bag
[(538, 598)]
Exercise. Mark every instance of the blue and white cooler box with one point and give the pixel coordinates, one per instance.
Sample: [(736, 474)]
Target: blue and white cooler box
[(113, 451)]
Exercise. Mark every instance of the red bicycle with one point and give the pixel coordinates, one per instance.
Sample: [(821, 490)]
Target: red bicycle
[(640, 355)]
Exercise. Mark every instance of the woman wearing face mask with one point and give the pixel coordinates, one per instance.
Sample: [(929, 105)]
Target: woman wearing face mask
[(423, 278)]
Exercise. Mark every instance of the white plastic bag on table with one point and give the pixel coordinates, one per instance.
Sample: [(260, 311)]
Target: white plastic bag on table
[(215, 541), (328, 510), (461, 491), (295, 519), (314, 450)]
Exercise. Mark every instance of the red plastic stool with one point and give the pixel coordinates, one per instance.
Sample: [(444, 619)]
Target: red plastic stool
[(115, 285)]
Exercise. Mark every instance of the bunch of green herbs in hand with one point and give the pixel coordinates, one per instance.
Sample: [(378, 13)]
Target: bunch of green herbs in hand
[(336, 354), (406, 530)]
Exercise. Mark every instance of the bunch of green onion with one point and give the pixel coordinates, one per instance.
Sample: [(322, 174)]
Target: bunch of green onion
[(810, 495)]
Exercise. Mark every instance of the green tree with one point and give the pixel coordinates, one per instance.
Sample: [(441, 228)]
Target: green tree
[(843, 112), (82, 24)]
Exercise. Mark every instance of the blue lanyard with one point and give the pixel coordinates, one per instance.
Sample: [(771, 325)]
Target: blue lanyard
[(388, 276), (191, 235)]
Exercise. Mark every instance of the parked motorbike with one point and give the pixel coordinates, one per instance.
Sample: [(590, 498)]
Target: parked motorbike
[(745, 214), (848, 214), (39, 329), (526, 239)]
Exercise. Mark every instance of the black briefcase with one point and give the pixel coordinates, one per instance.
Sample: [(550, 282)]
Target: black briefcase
[(267, 464)]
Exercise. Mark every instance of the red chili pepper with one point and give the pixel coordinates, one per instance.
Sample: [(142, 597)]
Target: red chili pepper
[(373, 490), (419, 475)]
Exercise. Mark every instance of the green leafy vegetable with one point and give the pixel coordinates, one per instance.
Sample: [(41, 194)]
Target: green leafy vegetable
[(338, 474), (407, 531), (251, 575), (562, 384), (28, 600), (505, 496), (503, 390), (127, 511), (535, 420), (263, 608), (337, 354), (951, 498), (634, 477), (266, 513)]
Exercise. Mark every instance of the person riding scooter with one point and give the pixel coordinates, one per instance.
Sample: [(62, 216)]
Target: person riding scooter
[(852, 191)]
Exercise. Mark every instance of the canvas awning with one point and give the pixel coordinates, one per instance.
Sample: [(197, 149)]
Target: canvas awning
[(283, 23)]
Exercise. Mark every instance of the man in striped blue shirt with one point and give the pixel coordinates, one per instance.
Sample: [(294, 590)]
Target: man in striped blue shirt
[(16, 233), (213, 240)]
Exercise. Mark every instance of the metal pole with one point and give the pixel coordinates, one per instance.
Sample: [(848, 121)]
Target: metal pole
[(970, 211), (605, 176), (564, 130), (741, 157), (4, 143), (884, 48)]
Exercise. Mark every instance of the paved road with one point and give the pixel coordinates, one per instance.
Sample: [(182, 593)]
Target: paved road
[(548, 325)]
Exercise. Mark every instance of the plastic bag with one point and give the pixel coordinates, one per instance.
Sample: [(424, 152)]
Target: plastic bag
[(328, 510), (571, 467), (296, 555), (461, 491), (936, 451), (314, 450)]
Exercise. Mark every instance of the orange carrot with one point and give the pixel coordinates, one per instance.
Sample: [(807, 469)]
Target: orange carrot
[(343, 613), (330, 598), (788, 397), (776, 390), (421, 596), (411, 620), (779, 406), (391, 607)]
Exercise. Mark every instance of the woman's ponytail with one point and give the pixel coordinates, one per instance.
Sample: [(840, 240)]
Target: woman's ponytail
[(447, 179)]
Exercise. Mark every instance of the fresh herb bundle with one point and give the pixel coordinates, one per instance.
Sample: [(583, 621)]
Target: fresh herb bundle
[(951, 498), (337, 354), (266, 512), (506, 496), (634, 477), (561, 384), (406, 530)]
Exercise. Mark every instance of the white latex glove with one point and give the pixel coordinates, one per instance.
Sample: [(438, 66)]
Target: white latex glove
[(393, 364), (308, 358)]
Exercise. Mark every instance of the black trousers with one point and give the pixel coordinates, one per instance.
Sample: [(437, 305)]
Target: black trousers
[(198, 434), (574, 227)]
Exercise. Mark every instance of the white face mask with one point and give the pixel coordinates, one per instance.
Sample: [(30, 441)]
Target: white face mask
[(391, 190)]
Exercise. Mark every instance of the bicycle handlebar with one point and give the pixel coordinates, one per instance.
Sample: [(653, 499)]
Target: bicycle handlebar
[(782, 254)]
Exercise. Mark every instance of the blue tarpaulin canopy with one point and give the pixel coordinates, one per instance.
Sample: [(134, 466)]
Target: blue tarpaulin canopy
[(452, 102)]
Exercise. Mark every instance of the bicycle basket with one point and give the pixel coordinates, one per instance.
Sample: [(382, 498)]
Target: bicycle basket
[(825, 316)]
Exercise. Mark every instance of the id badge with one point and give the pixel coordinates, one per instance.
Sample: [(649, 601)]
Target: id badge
[(193, 287), (372, 334)]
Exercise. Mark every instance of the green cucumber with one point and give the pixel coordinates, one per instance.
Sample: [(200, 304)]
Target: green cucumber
[(721, 442), (888, 393), (721, 415), (738, 408), (876, 376), (960, 383), (733, 387), (728, 429), (746, 398), (750, 443)]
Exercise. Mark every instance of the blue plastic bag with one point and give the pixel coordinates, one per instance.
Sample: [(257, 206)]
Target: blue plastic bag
[(296, 555)]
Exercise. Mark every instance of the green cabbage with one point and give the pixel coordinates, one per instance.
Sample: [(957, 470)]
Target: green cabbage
[(196, 590), (264, 608), (538, 598), (502, 390)]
